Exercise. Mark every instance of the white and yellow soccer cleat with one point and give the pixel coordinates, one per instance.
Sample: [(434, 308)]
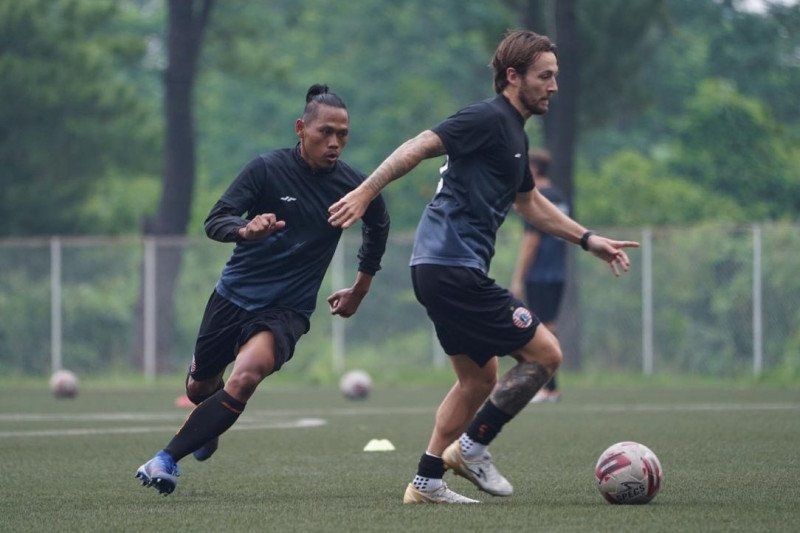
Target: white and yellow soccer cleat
[(480, 471), (441, 495)]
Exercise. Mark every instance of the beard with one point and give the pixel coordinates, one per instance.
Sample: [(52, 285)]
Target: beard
[(534, 106)]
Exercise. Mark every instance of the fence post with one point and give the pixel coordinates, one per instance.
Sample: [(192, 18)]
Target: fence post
[(149, 309), (758, 326), (56, 359), (647, 301), (337, 324)]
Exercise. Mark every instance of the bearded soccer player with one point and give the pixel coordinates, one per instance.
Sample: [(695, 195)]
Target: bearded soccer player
[(262, 302), (486, 171)]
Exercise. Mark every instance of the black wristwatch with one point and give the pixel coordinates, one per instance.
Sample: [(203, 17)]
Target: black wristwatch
[(585, 240)]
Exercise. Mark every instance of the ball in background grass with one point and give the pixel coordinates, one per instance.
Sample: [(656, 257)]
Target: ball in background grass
[(355, 385), (64, 384), (628, 472)]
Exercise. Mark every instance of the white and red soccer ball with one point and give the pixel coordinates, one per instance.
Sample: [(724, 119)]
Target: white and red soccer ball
[(355, 385), (64, 384), (628, 472)]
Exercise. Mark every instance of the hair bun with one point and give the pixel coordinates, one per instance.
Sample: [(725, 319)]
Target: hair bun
[(315, 90)]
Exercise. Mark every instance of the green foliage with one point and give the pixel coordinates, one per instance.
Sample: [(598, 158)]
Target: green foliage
[(24, 306), (618, 38), (69, 117), (730, 144), (400, 66), (758, 51), (117, 204), (702, 303), (84, 79), (721, 111), (630, 189), (688, 114)]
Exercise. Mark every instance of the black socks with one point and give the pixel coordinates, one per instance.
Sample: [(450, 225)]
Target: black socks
[(487, 423), (430, 466), (209, 419)]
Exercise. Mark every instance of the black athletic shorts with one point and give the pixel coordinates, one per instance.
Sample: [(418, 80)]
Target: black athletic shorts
[(226, 327), (472, 314), (544, 299)]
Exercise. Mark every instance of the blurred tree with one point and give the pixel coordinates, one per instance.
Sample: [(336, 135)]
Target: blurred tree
[(742, 121), (730, 145), (601, 45), (68, 117), (186, 24), (651, 195), (400, 66), (561, 122), (758, 51)]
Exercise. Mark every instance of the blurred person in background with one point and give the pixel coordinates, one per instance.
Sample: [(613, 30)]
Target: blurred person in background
[(541, 267), (267, 292), (485, 172)]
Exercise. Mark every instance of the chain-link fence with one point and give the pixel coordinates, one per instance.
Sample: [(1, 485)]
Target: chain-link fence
[(708, 300)]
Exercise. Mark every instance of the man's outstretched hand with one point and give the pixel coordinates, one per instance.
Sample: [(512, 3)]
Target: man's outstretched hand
[(611, 252), (348, 209)]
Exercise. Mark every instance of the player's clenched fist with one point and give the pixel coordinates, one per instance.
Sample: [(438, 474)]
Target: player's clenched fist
[(261, 226)]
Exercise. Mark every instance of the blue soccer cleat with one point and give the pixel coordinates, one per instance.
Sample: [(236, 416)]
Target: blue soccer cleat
[(161, 472), (206, 450)]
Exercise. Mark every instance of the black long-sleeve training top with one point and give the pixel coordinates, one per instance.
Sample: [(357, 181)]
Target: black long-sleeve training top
[(285, 269)]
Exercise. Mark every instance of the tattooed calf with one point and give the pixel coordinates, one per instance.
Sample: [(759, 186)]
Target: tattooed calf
[(516, 388)]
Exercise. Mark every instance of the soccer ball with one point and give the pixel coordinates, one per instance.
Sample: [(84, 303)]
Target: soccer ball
[(355, 385), (628, 472), (64, 384)]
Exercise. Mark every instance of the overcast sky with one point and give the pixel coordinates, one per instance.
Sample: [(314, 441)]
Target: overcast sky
[(759, 5)]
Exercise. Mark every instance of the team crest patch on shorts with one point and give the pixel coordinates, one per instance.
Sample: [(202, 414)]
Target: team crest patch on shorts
[(522, 318)]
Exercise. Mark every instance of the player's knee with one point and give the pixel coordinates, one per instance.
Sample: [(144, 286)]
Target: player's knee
[(482, 384), (554, 357), (243, 382), (199, 391), (547, 354)]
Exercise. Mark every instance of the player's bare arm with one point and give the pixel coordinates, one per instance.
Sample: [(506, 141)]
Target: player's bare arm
[(408, 155), (261, 226), (528, 248), (545, 216), (345, 302)]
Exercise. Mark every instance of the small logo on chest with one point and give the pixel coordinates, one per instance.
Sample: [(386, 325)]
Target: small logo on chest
[(289, 199), (517, 155)]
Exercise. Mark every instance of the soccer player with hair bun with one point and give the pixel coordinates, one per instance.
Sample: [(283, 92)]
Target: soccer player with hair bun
[(485, 172), (267, 291)]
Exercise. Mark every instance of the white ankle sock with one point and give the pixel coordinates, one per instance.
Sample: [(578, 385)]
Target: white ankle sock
[(426, 484), (469, 448)]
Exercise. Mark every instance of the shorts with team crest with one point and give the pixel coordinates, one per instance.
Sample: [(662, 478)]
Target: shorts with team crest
[(472, 315)]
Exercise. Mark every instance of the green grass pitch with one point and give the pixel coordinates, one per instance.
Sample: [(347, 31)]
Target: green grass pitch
[(731, 456)]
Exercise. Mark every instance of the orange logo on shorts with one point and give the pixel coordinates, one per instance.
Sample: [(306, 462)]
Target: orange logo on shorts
[(522, 318)]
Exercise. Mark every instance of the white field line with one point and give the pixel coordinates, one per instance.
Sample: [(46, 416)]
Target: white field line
[(260, 416), (693, 407), (300, 423), (259, 420)]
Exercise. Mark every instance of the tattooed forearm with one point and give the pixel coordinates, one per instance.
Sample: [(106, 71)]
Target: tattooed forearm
[(516, 388), (407, 156)]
